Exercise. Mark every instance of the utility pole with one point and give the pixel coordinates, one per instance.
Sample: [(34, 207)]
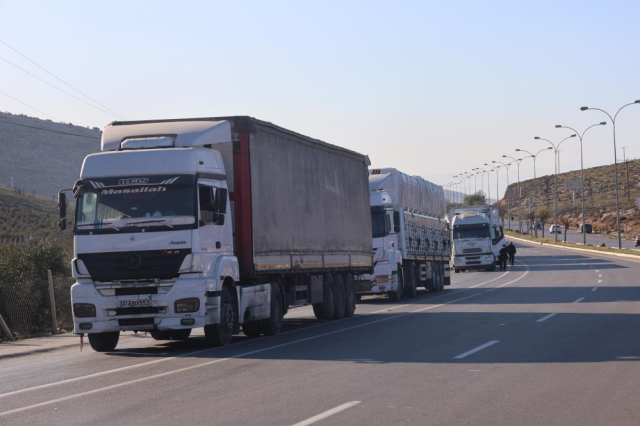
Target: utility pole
[(624, 156)]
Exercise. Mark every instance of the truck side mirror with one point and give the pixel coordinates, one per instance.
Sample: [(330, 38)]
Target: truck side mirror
[(396, 222), (62, 210)]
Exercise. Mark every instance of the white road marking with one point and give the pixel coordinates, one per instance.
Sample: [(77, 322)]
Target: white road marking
[(543, 319), (597, 270), (594, 289), (599, 275), (242, 355), (474, 350), (599, 281), (578, 300), (584, 264), (328, 413)]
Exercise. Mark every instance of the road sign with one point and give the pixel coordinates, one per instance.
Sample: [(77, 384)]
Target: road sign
[(573, 184)]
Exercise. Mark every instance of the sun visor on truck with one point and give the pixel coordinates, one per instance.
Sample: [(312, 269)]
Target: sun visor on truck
[(163, 134)]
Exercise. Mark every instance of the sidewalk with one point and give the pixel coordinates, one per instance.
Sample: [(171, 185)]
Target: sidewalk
[(39, 345)]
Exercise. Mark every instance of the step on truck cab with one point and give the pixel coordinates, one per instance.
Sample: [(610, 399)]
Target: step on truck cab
[(477, 238), (219, 223), (411, 246)]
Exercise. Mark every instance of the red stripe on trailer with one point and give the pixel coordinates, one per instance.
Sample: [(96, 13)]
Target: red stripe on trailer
[(242, 195)]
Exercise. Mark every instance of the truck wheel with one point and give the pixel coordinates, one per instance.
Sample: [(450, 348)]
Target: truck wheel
[(395, 296), (412, 275), (433, 284), (457, 270), (271, 326), (220, 334), (104, 342), (441, 277), (252, 329), (350, 296), (325, 309), (358, 297), (340, 297)]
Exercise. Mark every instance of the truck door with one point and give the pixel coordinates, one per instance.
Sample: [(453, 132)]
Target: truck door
[(214, 232)]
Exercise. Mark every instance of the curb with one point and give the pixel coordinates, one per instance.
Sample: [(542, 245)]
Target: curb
[(606, 253)]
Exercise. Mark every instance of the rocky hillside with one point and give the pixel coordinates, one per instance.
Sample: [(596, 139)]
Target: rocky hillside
[(599, 194), (42, 161)]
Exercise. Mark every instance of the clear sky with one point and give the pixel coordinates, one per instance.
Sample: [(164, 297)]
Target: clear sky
[(433, 88)]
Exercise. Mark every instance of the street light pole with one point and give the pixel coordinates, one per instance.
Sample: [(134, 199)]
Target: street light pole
[(535, 177), (517, 161), (615, 161), (580, 136), (506, 166), (495, 169), (488, 184), (555, 181)]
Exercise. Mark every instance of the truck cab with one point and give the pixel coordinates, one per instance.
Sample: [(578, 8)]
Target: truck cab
[(477, 238)]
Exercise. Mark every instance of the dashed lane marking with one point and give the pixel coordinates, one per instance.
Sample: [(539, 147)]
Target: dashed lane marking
[(578, 300), (328, 413), (543, 319), (594, 289), (477, 349)]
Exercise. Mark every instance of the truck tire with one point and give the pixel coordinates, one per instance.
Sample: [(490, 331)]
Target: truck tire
[(252, 329), (272, 325), (104, 342), (411, 282), (350, 296), (395, 296), (220, 334), (433, 285), (441, 276), (340, 297), (326, 309)]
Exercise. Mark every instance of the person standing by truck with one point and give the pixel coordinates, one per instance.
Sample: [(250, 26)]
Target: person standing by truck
[(511, 251), (502, 257)]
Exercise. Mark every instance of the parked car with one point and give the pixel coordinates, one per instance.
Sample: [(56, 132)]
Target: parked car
[(587, 228), (537, 226), (555, 229), (637, 240)]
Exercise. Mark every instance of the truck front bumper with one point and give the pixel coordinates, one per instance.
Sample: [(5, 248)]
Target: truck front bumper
[(476, 261), (383, 280), (155, 311)]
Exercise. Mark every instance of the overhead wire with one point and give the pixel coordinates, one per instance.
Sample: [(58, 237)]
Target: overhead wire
[(58, 88), (59, 79), (49, 130), (28, 106)]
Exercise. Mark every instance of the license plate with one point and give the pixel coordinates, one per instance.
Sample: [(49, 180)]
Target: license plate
[(138, 302)]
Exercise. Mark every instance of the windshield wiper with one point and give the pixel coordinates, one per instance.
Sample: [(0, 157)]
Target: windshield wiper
[(101, 223), (162, 221)]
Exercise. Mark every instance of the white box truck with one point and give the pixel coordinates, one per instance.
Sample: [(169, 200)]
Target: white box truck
[(218, 223), (477, 237), (411, 246)]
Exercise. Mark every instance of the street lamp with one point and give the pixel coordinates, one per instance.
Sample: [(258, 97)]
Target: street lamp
[(517, 161), (488, 185), (580, 136), (506, 166), (555, 180), (615, 160), (535, 194), (495, 169)]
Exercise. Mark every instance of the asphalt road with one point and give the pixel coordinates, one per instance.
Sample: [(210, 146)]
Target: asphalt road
[(574, 237), (552, 341)]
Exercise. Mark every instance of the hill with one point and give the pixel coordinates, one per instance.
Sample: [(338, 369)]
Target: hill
[(26, 215), (42, 161), (600, 199)]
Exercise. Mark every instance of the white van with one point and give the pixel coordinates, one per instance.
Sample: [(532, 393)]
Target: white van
[(555, 229)]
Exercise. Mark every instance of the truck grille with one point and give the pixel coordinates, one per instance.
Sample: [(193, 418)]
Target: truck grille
[(472, 250), (128, 322), (137, 311), (139, 265)]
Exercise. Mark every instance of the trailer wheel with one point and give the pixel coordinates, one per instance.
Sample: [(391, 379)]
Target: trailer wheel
[(340, 297), (326, 309), (456, 270), (350, 298), (221, 334), (252, 329), (104, 342), (271, 326), (433, 285), (395, 296), (441, 276), (412, 278)]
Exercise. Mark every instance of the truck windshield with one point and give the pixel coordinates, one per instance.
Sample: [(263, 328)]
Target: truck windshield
[(467, 232), (135, 202), (378, 225)]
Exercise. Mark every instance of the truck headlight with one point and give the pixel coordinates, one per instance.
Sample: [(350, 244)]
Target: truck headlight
[(382, 279), (84, 310), (182, 306)]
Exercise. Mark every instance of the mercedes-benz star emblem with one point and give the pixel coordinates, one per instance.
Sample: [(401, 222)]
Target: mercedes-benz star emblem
[(133, 261)]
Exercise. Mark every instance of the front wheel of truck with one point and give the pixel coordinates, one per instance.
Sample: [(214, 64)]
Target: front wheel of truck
[(395, 296), (350, 307), (220, 334), (104, 342)]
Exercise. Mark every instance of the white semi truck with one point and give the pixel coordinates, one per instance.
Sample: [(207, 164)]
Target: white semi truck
[(218, 223), (477, 237), (410, 235)]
